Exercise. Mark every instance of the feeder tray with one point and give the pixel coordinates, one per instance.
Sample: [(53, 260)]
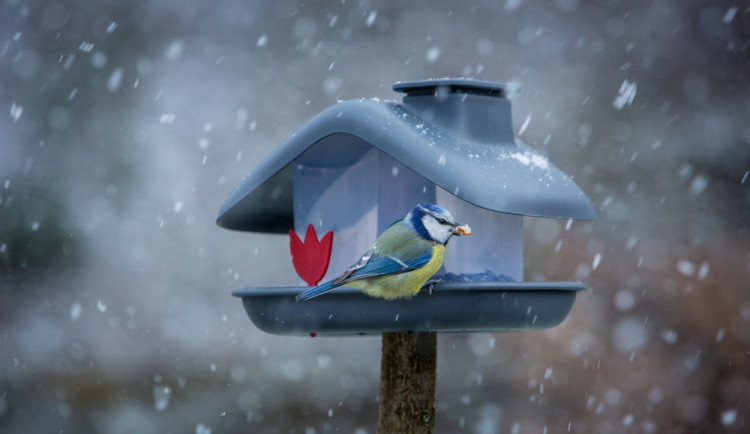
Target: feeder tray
[(448, 307)]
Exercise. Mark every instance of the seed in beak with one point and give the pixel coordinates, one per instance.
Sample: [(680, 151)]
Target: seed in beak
[(462, 230)]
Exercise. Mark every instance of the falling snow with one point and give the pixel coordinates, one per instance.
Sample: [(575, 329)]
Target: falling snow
[(686, 267), (371, 17), (731, 12), (75, 311), (167, 118), (175, 49), (728, 417), (624, 300), (670, 336), (115, 80), (202, 429), (525, 124), (628, 420), (630, 335), (162, 395), (625, 95), (86, 46), (703, 270), (698, 184), (15, 111), (432, 55)]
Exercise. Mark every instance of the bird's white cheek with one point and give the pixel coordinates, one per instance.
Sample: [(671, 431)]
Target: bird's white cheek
[(438, 232), (433, 228)]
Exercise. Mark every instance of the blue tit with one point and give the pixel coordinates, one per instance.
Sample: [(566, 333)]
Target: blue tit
[(402, 259)]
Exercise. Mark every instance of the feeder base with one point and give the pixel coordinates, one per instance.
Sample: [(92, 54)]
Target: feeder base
[(447, 307)]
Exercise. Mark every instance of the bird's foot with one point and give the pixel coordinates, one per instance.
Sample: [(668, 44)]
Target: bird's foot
[(430, 283)]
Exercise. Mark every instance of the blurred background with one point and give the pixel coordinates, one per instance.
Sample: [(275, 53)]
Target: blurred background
[(124, 126)]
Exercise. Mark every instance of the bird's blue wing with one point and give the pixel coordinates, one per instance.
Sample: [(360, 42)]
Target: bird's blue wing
[(381, 265)]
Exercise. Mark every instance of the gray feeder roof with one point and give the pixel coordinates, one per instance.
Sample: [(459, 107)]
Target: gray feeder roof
[(456, 133)]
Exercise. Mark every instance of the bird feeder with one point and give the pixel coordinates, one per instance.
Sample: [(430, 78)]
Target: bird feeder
[(359, 165)]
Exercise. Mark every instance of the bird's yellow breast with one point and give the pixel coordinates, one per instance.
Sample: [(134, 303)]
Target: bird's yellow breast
[(404, 284)]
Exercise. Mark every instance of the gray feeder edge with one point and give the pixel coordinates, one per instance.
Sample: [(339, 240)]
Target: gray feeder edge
[(441, 131), (447, 308)]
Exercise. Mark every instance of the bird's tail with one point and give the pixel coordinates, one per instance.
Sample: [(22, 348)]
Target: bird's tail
[(314, 292)]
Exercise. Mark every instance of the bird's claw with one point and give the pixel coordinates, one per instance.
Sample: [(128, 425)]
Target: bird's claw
[(430, 283)]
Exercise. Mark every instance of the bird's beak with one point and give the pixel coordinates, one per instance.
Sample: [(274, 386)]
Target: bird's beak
[(461, 230)]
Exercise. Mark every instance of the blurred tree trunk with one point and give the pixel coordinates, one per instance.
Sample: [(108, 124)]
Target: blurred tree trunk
[(407, 383)]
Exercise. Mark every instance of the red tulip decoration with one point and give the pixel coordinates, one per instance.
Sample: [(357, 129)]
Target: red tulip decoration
[(312, 257)]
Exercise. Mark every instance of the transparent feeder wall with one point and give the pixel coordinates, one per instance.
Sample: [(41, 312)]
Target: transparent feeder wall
[(496, 243), (339, 182)]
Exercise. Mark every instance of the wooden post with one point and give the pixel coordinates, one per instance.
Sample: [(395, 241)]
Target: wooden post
[(407, 383)]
